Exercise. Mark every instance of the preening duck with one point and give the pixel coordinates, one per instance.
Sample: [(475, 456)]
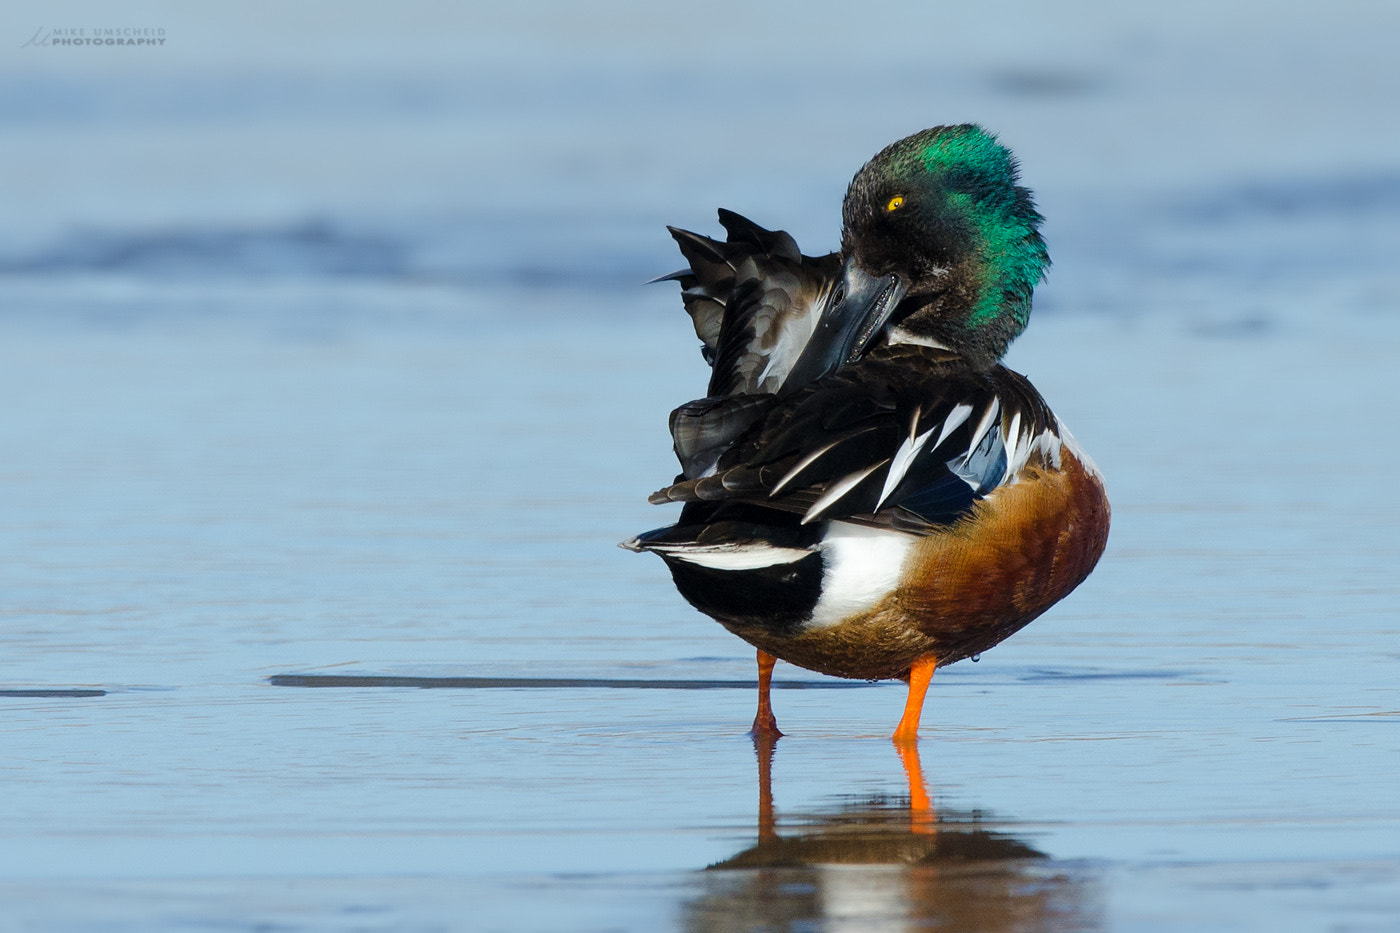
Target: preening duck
[(867, 491)]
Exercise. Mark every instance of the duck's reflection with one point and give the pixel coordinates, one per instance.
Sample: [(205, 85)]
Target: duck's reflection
[(887, 864)]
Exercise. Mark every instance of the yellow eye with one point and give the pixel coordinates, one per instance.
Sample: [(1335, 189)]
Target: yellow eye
[(895, 204)]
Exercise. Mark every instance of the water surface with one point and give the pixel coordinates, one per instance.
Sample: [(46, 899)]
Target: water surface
[(331, 385)]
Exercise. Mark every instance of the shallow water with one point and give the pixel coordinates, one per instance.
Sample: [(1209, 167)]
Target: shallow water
[(1204, 732), (326, 382)]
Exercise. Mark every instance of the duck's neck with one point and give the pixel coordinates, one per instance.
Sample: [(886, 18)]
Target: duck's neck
[(1009, 259)]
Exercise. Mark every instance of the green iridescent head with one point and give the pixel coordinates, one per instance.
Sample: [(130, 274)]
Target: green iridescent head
[(941, 210)]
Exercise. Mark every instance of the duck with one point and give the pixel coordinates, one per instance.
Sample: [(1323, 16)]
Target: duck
[(866, 491)]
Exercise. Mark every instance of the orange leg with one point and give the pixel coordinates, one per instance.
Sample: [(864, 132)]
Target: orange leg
[(765, 724), (907, 732)]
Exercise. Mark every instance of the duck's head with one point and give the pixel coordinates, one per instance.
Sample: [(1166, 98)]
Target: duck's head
[(940, 246)]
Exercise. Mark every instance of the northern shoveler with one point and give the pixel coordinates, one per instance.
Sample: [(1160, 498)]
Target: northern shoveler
[(868, 492)]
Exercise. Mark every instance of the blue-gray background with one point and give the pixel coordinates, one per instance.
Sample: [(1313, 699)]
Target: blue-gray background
[(323, 348)]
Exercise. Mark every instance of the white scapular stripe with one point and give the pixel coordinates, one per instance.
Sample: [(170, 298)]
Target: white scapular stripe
[(1067, 442), (802, 464), (1047, 444), (912, 447), (839, 489), (1012, 440), (956, 417), (904, 457), (992, 411)]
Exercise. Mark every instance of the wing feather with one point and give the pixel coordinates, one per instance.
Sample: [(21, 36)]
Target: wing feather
[(754, 300), (884, 442)]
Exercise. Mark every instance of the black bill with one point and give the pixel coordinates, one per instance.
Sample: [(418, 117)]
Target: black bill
[(858, 308)]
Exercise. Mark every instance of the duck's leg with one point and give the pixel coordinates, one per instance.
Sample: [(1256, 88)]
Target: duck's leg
[(765, 724), (907, 732)]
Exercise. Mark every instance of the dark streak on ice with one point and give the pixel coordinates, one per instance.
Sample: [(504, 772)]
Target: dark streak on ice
[(57, 692), (537, 683)]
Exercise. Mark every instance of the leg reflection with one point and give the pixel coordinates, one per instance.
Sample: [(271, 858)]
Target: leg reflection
[(876, 863), (922, 818), (763, 746)]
